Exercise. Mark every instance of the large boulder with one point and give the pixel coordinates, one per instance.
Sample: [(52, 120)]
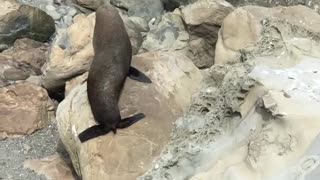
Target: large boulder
[(130, 152), (23, 21), (250, 27), (25, 108), (25, 59), (255, 117), (192, 29)]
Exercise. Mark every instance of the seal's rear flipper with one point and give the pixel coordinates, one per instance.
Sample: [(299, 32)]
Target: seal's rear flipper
[(92, 132), (135, 74), (126, 122)]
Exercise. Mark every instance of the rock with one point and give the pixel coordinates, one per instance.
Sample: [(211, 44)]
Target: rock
[(170, 34), (170, 5), (255, 117), (129, 153), (72, 11), (137, 8), (75, 82), (286, 133), (53, 167), (13, 74), (281, 23), (206, 11), (24, 109), (25, 58), (26, 55), (50, 7), (92, 4), (74, 46), (140, 24), (239, 29), (54, 14), (3, 47), (204, 19), (23, 21), (313, 4)]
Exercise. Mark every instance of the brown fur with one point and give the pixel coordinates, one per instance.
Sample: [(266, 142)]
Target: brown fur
[(110, 66)]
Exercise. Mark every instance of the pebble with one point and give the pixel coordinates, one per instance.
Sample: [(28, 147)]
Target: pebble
[(62, 11), (72, 11), (50, 7), (55, 15), (67, 20), (3, 47)]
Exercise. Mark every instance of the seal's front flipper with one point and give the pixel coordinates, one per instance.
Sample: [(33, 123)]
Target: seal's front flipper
[(135, 74), (93, 132), (126, 122)]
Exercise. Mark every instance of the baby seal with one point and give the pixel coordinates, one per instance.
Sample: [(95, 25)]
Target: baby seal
[(108, 72)]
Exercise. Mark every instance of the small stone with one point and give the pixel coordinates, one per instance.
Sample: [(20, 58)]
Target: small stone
[(67, 19), (55, 15), (72, 12), (14, 74), (62, 11), (50, 8), (3, 47)]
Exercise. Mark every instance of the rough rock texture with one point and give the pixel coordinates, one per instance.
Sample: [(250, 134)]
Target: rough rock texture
[(138, 7), (255, 118), (19, 21), (21, 61), (128, 154), (24, 109), (28, 55), (193, 29), (170, 33), (251, 19), (53, 167), (92, 4), (71, 52), (203, 19), (314, 4), (206, 11), (14, 151), (170, 5)]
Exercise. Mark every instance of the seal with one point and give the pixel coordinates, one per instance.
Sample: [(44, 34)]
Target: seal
[(108, 72)]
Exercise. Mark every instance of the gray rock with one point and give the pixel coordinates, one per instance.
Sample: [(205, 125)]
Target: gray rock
[(169, 34), (170, 5), (91, 4), (313, 4), (13, 74), (50, 7), (26, 21), (72, 11), (138, 7), (54, 14), (67, 20), (3, 47), (62, 11)]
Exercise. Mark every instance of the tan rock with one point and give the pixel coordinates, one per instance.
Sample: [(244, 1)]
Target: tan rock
[(242, 30), (129, 153), (24, 108), (30, 55), (206, 11), (53, 167), (239, 30)]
